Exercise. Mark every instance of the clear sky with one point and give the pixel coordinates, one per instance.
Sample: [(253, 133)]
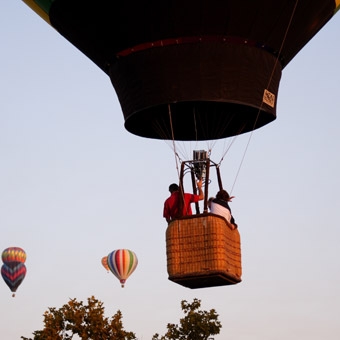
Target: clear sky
[(75, 185)]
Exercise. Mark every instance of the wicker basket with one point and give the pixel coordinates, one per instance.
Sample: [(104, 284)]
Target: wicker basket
[(203, 251)]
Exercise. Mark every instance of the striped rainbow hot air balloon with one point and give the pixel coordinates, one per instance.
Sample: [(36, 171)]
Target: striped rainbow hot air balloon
[(122, 263)]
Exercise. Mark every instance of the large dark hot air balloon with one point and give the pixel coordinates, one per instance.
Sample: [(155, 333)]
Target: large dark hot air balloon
[(191, 70)]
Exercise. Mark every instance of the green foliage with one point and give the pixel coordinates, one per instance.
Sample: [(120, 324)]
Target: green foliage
[(196, 324), (87, 321)]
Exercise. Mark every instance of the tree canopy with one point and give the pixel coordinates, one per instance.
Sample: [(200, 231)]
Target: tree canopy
[(85, 320), (196, 324)]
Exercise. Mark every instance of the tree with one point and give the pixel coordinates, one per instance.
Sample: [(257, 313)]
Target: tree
[(196, 325), (87, 321)]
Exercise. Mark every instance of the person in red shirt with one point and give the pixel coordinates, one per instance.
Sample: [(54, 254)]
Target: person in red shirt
[(172, 203)]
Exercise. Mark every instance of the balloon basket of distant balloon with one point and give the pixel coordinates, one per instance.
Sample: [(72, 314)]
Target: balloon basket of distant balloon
[(203, 251)]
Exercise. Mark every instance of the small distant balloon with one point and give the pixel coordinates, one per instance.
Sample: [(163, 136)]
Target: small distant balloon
[(104, 263), (122, 263), (13, 271)]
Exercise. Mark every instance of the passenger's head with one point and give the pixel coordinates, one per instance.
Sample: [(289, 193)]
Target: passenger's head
[(223, 195), (173, 187)]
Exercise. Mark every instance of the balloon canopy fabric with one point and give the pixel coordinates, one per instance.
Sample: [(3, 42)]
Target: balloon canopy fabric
[(189, 70), (104, 263), (122, 263), (13, 275), (13, 254)]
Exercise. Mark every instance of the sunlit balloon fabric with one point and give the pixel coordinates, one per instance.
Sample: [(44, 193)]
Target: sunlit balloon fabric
[(122, 263), (186, 69), (13, 254), (104, 263), (13, 271)]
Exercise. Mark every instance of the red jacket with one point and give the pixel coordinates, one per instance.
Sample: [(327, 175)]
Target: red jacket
[(171, 205)]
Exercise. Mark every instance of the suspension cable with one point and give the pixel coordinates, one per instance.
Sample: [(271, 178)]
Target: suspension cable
[(269, 81), (173, 140)]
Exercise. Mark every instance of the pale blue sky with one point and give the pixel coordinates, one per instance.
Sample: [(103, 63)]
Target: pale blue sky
[(75, 185)]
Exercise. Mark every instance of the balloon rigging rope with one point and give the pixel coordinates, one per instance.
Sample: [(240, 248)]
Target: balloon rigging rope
[(175, 152), (226, 149), (173, 139), (269, 81), (277, 58)]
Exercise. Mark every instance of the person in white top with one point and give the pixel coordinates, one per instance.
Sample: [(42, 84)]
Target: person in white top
[(220, 206)]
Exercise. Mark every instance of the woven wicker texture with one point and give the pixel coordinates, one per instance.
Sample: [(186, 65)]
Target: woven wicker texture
[(203, 251)]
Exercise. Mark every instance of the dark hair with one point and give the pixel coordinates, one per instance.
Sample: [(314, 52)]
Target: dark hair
[(223, 195), (173, 187)]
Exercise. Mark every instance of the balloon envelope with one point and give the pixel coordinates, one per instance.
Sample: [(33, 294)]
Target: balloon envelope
[(13, 254), (13, 274), (104, 263), (191, 70), (122, 263)]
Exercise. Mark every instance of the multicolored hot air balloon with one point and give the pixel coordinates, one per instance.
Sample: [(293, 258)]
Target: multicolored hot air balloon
[(104, 263), (122, 263), (13, 271)]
